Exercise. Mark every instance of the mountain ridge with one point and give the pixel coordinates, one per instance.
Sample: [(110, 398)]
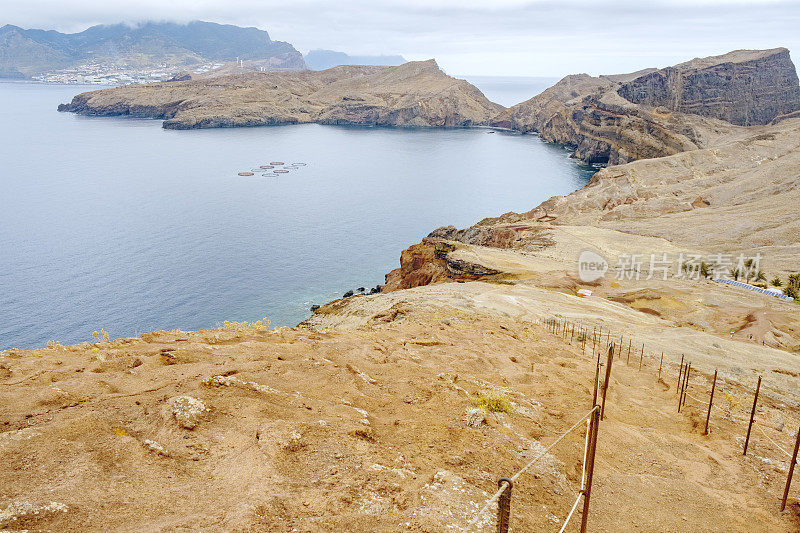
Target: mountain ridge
[(28, 52)]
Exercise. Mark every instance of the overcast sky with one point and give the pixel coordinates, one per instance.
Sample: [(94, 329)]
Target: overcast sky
[(491, 37)]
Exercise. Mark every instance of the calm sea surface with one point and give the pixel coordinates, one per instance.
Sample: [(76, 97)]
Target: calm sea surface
[(116, 223)]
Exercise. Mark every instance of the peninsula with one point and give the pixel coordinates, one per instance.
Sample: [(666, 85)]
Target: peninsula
[(401, 410)]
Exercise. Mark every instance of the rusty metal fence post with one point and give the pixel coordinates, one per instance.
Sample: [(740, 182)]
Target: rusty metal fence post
[(608, 379), (596, 379), (641, 358), (685, 385), (504, 505), (752, 416), (711, 401), (791, 471), (590, 454)]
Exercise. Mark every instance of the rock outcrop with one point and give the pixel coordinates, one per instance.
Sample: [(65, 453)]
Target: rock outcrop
[(414, 94), (742, 87), (657, 113), (737, 196)]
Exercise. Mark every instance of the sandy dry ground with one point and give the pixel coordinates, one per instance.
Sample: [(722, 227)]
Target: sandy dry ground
[(361, 426)]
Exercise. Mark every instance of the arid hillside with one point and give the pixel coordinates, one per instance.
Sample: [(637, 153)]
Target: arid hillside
[(417, 93), (358, 422)]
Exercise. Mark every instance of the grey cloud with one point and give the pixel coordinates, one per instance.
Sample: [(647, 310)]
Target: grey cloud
[(466, 36)]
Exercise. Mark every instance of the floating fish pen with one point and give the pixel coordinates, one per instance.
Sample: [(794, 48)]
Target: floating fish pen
[(266, 167), (280, 171), (246, 173), (298, 164), (276, 163)]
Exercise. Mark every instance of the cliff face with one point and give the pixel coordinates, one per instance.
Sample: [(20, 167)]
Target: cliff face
[(744, 88), (657, 113), (740, 195), (414, 94)]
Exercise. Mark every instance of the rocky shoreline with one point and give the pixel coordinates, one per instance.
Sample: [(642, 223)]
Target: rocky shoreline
[(606, 120), (416, 94)]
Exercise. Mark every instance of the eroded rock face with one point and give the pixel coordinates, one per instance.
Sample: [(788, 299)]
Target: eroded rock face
[(742, 87), (656, 113), (416, 94), (431, 262)]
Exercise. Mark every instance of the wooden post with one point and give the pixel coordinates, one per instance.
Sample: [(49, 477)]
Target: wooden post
[(641, 358), (711, 401), (608, 379), (680, 373), (504, 505), (594, 340), (572, 335), (791, 471), (630, 343), (752, 415), (590, 454), (660, 364)]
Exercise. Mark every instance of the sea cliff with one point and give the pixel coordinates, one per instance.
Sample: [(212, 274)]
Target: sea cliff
[(655, 113), (414, 94)]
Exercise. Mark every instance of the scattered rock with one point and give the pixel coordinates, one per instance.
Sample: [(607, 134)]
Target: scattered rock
[(188, 411), (155, 447), (17, 510), (474, 417)]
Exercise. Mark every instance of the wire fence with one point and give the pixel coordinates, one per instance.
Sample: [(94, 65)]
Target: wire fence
[(600, 336), (600, 340), (505, 484)]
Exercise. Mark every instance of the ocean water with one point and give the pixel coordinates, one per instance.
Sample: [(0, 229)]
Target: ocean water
[(119, 224), (509, 90)]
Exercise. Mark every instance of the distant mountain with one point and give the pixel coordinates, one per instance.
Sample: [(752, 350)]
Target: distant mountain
[(324, 59), (25, 53)]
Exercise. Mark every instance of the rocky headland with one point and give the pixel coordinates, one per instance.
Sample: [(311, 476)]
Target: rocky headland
[(655, 113), (415, 94)]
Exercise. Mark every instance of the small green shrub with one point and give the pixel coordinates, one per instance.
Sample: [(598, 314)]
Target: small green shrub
[(494, 402)]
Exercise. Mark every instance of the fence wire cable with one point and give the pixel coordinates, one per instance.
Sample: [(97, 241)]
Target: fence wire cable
[(574, 506), (513, 478), (583, 478), (772, 441)]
